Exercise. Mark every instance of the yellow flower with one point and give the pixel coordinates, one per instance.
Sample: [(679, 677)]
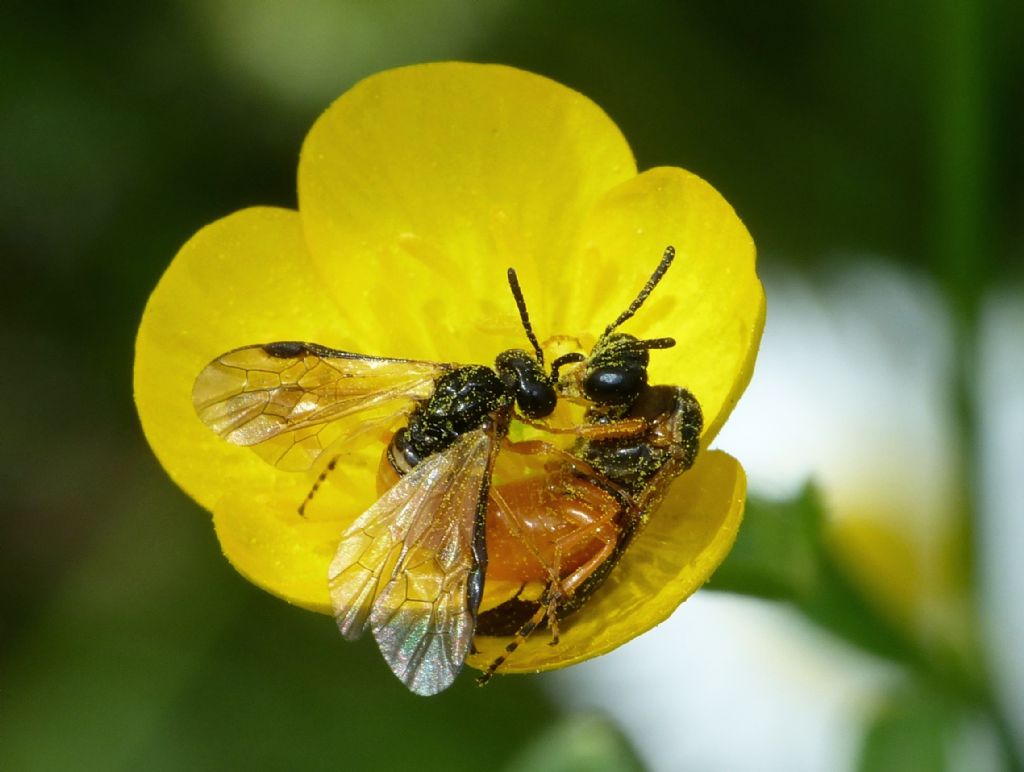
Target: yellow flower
[(417, 189)]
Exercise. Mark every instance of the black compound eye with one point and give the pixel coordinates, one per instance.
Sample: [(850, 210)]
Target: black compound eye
[(536, 399), (617, 385), (533, 388)]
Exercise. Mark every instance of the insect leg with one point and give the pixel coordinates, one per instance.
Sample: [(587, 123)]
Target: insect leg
[(551, 612), (321, 478), (604, 530), (626, 427), (557, 590), (514, 525), (521, 635), (621, 429)]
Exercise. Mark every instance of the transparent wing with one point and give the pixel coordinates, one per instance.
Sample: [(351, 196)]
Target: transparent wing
[(289, 401), (409, 568)]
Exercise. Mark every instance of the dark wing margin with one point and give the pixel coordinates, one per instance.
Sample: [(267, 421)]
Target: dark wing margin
[(291, 400), (410, 568)]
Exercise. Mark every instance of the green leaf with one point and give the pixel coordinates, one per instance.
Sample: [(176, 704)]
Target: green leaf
[(781, 554), (153, 653), (911, 731), (580, 743), (776, 555)]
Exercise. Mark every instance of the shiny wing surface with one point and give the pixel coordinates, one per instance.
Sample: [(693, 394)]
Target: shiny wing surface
[(405, 567), (289, 401)]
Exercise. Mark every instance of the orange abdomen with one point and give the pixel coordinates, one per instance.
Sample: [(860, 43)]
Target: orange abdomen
[(549, 523), (552, 522)]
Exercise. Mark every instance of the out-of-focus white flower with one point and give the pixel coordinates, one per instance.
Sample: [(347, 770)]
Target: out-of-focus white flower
[(1001, 535), (852, 390), (732, 684)]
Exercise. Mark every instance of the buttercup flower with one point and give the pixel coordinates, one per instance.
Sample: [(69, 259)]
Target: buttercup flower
[(417, 189)]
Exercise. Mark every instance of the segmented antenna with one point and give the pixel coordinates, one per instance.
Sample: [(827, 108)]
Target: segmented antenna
[(657, 343), (517, 293), (666, 261), (564, 360)]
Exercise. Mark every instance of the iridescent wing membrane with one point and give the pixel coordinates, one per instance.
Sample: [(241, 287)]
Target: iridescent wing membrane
[(410, 568), (289, 401)]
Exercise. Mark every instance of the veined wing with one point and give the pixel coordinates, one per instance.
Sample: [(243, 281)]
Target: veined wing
[(291, 400), (411, 567)]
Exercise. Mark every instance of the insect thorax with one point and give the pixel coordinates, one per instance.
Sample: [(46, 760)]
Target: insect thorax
[(462, 401), (674, 436)]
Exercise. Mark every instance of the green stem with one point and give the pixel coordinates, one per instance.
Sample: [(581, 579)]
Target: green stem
[(963, 247)]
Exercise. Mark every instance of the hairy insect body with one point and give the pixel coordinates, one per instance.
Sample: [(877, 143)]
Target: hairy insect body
[(552, 529), (468, 398), (643, 465), (593, 504), (462, 400), (549, 510), (635, 439), (459, 503), (673, 422)]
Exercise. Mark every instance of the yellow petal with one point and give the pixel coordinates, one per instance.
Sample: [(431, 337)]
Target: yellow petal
[(684, 542), (274, 548), (244, 279), (420, 186), (710, 301)]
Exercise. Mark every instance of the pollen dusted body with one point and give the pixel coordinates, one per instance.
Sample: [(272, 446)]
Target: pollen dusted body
[(671, 434), (580, 519), (537, 173), (635, 440)]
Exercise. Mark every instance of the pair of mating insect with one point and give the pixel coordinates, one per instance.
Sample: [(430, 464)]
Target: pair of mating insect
[(459, 502)]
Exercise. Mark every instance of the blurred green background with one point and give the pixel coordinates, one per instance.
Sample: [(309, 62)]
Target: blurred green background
[(126, 640)]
